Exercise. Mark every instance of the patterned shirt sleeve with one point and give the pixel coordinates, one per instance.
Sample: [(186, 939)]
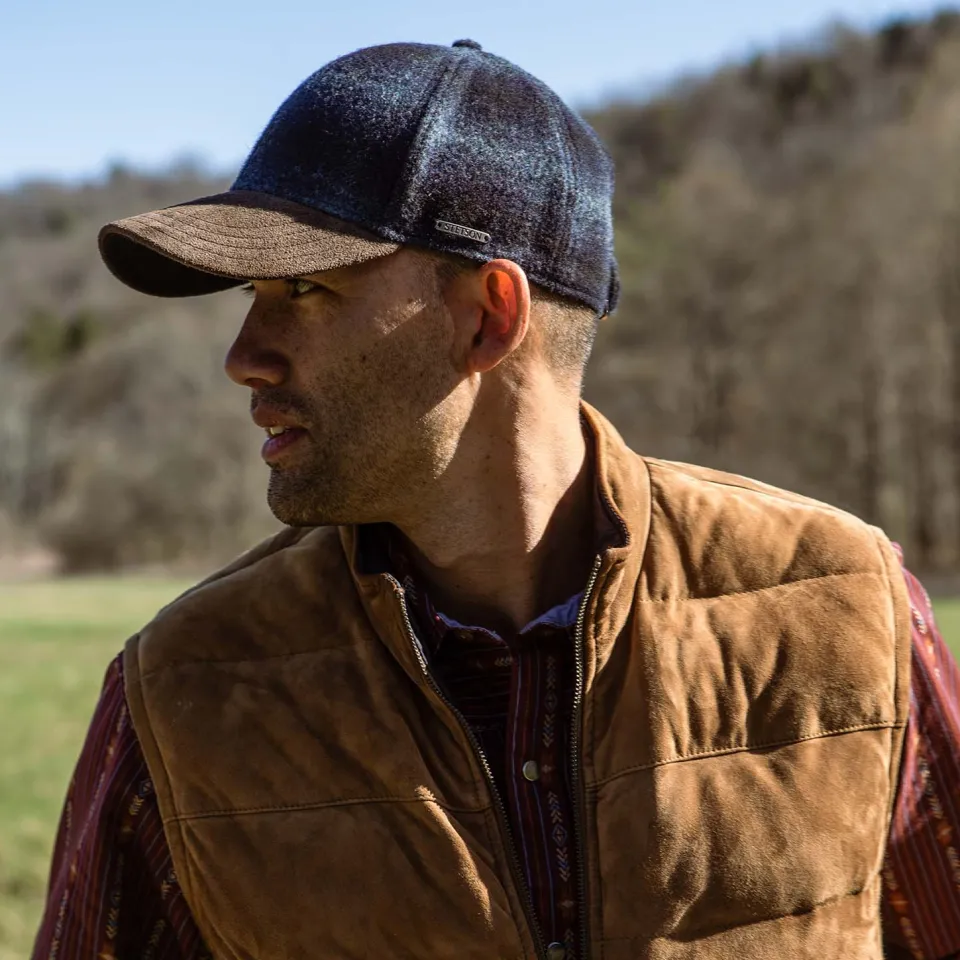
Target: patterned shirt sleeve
[(113, 891), (921, 873)]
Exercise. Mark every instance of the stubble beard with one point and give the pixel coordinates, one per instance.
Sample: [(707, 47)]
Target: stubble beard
[(311, 494), (353, 478), (376, 452)]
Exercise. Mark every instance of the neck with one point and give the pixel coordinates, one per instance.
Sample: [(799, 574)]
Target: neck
[(508, 531)]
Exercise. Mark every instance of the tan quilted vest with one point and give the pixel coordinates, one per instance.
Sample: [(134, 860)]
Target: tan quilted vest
[(744, 659)]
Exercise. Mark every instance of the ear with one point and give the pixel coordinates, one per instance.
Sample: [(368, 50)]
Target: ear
[(493, 314)]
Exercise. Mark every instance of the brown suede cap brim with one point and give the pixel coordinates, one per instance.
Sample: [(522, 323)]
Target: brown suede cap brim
[(220, 241)]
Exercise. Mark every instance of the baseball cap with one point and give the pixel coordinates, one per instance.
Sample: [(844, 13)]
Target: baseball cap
[(452, 149)]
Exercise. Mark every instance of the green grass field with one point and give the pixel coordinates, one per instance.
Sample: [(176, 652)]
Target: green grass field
[(56, 640)]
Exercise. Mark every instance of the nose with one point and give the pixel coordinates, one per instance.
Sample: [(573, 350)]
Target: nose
[(253, 360)]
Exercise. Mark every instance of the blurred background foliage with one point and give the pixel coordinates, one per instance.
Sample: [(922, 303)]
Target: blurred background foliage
[(788, 231)]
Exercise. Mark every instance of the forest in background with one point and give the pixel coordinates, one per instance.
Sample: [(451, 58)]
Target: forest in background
[(788, 232)]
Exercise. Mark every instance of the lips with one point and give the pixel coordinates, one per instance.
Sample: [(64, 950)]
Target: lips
[(283, 430), (267, 417), (279, 443)]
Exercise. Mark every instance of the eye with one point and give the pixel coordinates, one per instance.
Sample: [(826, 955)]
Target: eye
[(248, 290), (299, 287)]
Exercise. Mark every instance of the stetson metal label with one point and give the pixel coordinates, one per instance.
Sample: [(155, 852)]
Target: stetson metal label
[(460, 231)]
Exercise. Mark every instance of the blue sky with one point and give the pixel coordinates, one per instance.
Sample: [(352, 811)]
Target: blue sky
[(86, 84)]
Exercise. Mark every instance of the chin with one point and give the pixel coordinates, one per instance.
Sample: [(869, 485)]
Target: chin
[(298, 505), (298, 514), (321, 498), (293, 508)]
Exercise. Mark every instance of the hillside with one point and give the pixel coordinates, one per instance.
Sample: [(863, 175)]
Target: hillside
[(788, 234)]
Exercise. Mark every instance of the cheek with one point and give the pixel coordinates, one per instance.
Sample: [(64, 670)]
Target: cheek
[(397, 370), (376, 377)]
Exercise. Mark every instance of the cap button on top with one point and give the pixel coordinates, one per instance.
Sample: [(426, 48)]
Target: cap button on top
[(472, 44)]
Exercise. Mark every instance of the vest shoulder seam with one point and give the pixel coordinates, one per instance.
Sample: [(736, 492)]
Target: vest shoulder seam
[(726, 751), (320, 805), (271, 546), (774, 586), (749, 485), (214, 661)]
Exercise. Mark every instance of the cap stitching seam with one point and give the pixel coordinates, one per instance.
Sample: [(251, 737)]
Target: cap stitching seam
[(398, 196), (569, 187), (201, 243), (200, 226)]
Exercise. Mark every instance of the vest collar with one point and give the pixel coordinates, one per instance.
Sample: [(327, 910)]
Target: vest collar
[(623, 487)]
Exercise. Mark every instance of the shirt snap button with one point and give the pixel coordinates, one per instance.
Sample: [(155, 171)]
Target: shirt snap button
[(532, 772), (556, 951)]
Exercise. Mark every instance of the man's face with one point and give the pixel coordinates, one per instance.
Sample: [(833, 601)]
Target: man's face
[(359, 365)]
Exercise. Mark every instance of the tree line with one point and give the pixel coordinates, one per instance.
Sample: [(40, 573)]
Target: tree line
[(788, 231)]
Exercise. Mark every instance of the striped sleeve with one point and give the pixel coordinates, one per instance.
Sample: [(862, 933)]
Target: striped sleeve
[(921, 899), (112, 890)]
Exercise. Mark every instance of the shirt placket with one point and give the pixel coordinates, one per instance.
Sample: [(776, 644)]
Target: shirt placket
[(537, 789)]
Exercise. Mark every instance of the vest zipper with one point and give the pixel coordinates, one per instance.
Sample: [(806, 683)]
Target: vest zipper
[(579, 797), (576, 778), (515, 868)]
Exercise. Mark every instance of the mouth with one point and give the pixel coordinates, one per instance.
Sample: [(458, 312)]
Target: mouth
[(279, 440)]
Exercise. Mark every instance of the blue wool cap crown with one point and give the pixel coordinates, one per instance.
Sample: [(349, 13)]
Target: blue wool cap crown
[(453, 149), (448, 148)]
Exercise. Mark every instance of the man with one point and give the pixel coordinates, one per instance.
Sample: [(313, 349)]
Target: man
[(501, 687)]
